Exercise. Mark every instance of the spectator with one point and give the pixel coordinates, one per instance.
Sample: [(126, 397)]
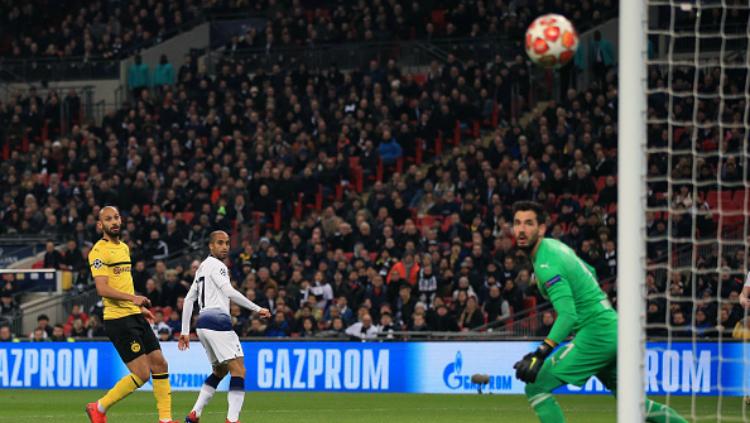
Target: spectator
[(156, 248), (172, 290), (158, 322), (140, 277), (174, 321), (336, 330), (548, 319), (279, 328), (386, 325), (257, 328), (389, 149), (346, 313), (321, 290), (138, 76), (73, 259), (78, 329), (680, 327), (308, 328), (77, 313), (280, 135), (472, 316), (407, 269), (418, 323), (363, 329), (442, 321), (58, 334), (95, 328), (496, 307), (513, 295), (703, 326), (741, 329), (42, 322), (6, 335), (601, 57), (8, 306), (152, 292), (164, 334), (239, 320), (163, 74), (427, 284), (38, 335), (655, 320), (404, 305), (53, 259)]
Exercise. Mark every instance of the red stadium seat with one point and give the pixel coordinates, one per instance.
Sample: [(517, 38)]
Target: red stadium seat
[(187, 217), (530, 303), (438, 18), (601, 182)]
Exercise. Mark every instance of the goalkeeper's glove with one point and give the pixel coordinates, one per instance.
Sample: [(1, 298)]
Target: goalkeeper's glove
[(528, 367)]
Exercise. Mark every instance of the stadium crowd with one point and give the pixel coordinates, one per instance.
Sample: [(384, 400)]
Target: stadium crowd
[(113, 30), (347, 217)]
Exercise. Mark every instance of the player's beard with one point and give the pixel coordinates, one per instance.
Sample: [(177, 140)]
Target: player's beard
[(219, 255), (114, 236), (531, 242)]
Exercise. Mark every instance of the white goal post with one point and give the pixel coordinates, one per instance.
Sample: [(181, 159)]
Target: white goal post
[(631, 202), (683, 207)]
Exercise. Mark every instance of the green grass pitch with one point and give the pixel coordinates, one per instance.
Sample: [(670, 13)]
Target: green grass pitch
[(67, 406)]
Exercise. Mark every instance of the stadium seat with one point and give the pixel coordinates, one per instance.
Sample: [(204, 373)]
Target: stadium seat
[(438, 18), (187, 217), (601, 182)]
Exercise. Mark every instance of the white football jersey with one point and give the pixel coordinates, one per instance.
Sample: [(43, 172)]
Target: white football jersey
[(212, 275), (212, 289)]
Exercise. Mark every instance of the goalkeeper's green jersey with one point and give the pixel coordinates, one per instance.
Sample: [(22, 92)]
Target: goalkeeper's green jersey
[(571, 285)]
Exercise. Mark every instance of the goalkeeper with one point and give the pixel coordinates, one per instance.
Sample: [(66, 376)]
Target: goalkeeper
[(581, 306)]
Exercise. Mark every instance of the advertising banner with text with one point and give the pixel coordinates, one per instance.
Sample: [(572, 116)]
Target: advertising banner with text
[(417, 367)]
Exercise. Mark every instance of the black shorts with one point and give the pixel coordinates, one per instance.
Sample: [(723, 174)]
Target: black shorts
[(132, 336)]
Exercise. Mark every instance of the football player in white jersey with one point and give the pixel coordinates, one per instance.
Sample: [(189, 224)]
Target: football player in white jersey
[(745, 294), (745, 303), (212, 289)]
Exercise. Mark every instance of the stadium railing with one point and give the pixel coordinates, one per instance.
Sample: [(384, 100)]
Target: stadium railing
[(412, 53), (56, 68)]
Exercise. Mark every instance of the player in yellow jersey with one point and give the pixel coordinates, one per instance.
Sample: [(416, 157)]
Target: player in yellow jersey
[(125, 322)]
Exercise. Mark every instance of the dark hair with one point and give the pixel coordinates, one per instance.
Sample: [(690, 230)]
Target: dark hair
[(530, 206)]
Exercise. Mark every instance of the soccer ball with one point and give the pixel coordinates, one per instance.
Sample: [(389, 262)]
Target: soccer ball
[(551, 41)]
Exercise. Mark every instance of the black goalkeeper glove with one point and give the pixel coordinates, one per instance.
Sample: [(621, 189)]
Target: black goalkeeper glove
[(528, 367)]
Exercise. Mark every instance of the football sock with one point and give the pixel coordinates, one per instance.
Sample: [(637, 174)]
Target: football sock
[(207, 392), (163, 395), (660, 413), (546, 408), (122, 389), (235, 397)]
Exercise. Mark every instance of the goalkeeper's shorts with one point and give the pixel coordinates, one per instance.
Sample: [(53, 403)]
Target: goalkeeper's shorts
[(592, 352)]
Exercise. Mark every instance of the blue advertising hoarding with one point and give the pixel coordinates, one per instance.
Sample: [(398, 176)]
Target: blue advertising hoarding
[(416, 367)]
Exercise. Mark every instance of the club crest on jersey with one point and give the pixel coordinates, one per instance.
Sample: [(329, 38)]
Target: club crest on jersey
[(223, 272), (97, 264), (135, 346), (552, 281)]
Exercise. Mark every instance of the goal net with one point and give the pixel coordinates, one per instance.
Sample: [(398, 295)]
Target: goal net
[(697, 201)]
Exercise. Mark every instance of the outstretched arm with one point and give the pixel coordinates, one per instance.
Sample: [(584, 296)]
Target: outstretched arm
[(222, 281)]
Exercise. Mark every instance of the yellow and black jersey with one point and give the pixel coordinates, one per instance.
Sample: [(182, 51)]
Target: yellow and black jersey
[(113, 261)]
